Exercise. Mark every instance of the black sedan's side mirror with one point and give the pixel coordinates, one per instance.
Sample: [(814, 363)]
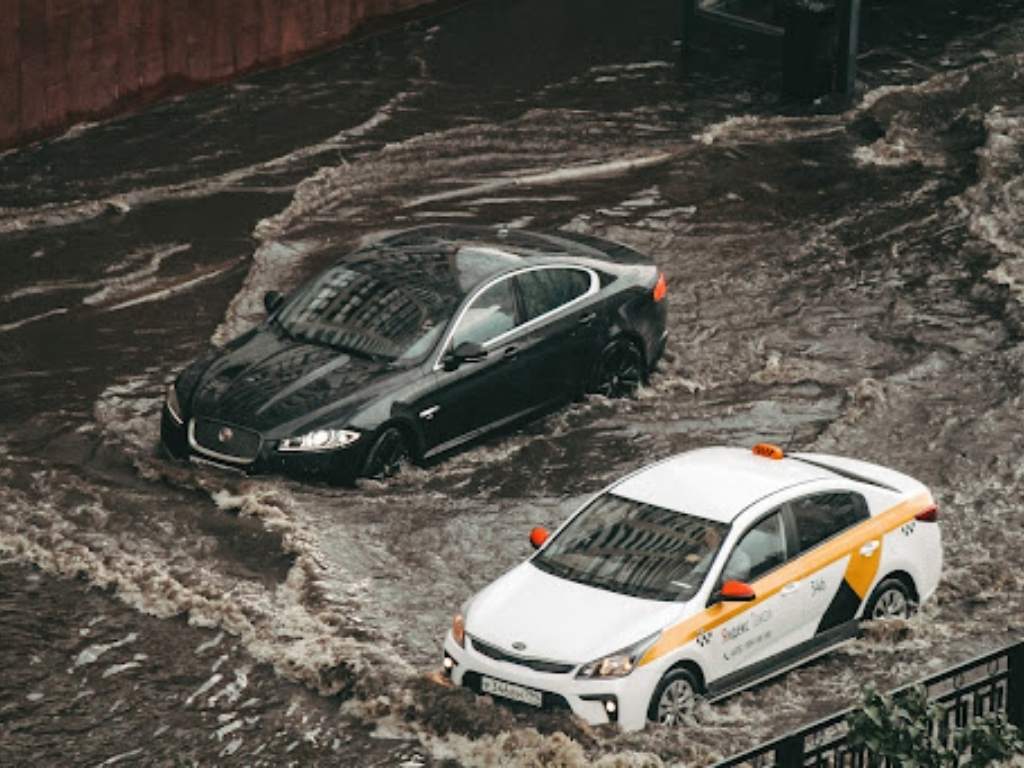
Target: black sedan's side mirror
[(466, 352), (272, 300)]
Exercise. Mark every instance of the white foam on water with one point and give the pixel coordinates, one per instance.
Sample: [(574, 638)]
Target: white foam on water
[(130, 283), (63, 214), (34, 318), (209, 644), (173, 289), (995, 205), (92, 654), (117, 669), (554, 176), (131, 755)]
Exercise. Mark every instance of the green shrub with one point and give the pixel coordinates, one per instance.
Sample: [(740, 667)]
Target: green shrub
[(909, 731)]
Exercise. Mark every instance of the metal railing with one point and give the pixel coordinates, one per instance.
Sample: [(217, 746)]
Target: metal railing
[(989, 684)]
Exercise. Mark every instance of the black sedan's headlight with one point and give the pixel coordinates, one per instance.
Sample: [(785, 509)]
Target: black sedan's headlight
[(173, 406), (320, 440)]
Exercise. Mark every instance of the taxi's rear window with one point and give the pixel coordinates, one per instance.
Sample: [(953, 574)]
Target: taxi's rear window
[(635, 549)]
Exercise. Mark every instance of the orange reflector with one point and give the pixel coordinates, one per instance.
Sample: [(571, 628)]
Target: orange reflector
[(660, 288), (768, 451), (538, 536), (459, 630)]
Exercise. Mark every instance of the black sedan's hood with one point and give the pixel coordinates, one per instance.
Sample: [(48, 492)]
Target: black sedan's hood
[(273, 383)]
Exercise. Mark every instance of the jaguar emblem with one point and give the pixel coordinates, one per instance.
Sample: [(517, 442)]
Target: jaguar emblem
[(225, 434), (519, 646)]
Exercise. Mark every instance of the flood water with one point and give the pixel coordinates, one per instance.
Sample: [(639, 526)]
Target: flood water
[(844, 278)]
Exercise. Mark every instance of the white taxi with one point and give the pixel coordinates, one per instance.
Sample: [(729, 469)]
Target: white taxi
[(699, 575)]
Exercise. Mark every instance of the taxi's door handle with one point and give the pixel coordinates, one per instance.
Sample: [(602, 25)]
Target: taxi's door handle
[(869, 549), (790, 588)]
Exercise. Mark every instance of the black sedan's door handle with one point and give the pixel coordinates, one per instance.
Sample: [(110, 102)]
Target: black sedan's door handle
[(510, 353), (588, 318)]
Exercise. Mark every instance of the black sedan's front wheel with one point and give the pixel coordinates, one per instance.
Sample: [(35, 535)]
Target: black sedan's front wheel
[(389, 453), (620, 371)]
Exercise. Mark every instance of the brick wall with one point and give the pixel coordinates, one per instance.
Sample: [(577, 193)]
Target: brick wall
[(62, 61)]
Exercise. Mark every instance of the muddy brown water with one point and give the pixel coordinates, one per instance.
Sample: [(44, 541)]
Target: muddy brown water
[(843, 278)]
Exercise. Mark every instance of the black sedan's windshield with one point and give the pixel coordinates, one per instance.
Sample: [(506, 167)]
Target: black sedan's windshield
[(633, 548), (351, 308)]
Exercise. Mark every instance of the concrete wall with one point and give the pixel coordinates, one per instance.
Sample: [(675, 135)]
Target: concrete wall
[(62, 61)]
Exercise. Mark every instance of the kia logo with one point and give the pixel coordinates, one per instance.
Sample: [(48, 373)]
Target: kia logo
[(519, 646), (225, 434)]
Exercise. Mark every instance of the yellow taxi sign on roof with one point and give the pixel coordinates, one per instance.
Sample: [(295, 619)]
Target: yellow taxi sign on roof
[(768, 451)]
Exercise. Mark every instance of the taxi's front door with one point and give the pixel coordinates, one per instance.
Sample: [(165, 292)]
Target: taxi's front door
[(747, 643)]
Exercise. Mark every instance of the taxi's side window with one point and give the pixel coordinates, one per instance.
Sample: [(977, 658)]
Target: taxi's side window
[(760, 550), (824, 515)]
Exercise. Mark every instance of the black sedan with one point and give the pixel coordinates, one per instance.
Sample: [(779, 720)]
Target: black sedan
[(416, 344)]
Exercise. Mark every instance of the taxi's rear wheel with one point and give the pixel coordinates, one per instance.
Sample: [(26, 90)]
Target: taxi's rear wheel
[(675, 698), (890, 600)]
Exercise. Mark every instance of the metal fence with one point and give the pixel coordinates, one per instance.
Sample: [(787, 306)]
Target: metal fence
[(990, 684)]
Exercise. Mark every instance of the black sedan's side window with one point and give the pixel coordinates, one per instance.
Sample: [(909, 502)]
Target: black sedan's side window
[(761, 549), (544, 290), (491, 314), (823, 515)]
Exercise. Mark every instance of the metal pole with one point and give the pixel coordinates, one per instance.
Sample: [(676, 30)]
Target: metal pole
[(846, 54), (790, 752), (689, 18), (1015, 685)]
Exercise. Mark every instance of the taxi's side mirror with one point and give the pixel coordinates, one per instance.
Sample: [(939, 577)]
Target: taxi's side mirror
[(538, 536), (734, 592)]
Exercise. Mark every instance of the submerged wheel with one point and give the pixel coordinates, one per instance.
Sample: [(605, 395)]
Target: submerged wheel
[(675, 698), (621, 370), (890, 600), (389, 453)]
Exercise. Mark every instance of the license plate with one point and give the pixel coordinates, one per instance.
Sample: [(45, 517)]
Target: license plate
[(511, 691)]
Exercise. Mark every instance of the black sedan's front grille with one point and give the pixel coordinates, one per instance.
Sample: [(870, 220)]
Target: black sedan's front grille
[(225, 441), (493, 652), (550, 701)]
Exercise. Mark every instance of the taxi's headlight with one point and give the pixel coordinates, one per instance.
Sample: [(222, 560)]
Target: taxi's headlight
[(320, 440), (620, 663), (173, 406)]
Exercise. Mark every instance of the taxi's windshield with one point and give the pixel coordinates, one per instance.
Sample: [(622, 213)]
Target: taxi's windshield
[(635, 549)]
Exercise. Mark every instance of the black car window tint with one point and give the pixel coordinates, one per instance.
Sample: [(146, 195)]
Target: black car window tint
[(823, 515), (547, 289), (761, 549), (491, 314)]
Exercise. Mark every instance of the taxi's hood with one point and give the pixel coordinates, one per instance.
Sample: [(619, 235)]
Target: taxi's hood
[(560, 620)]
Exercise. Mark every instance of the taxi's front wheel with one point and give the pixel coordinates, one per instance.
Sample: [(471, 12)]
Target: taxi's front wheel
[(674, 699), (890, 600)]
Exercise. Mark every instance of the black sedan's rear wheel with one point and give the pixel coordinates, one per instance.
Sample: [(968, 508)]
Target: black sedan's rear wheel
[(620, 371), (389, 453)]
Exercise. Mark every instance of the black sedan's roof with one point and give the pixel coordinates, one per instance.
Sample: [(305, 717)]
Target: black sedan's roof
[(453, 260)]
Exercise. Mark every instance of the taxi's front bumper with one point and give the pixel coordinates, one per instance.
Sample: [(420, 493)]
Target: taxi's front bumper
[(622, 700)]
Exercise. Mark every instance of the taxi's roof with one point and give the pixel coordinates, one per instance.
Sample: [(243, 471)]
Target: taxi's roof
[(715, 483)]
